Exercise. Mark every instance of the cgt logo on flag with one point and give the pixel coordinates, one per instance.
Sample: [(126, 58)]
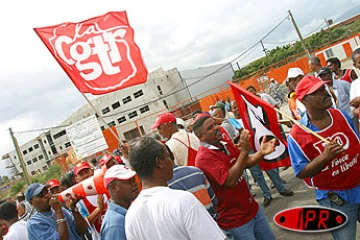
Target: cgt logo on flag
[(99, 54)]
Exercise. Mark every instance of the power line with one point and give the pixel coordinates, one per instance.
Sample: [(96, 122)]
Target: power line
[(41, 129), (294, 40)]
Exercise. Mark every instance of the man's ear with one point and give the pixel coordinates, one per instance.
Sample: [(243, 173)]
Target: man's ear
[(304, 100), (30, 201), (159, 162), (112, 187)]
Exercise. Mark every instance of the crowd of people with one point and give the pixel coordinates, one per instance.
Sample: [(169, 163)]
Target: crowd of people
[(191, 180)]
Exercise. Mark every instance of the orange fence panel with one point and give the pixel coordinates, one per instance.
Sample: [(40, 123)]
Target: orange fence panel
[(110, 139)]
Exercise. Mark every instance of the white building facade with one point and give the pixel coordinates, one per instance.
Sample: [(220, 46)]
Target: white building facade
[(132, 111)]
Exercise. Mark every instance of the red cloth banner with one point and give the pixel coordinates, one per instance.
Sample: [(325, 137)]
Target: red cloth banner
[(99, 54), (260, 118)]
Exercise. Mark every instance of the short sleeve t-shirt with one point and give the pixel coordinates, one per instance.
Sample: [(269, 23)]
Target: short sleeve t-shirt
[(179, 150), (17, 231), (355, 89), (42, 226), (164, 213), (236, 206), (299, 162), (113, 225)]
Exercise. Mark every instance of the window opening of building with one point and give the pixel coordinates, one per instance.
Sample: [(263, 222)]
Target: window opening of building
[(116, 105), (138, 93), (60, 134), (122, 119), (105, 110), (133, 114), (144, 109), (159, 89), (127, 99), (165, 104)]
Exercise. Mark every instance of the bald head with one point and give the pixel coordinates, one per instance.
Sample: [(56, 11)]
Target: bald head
[(315, 64)]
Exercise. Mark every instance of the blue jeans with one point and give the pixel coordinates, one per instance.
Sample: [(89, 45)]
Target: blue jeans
[(352, 211), (256, 228), (273, 175), (246, 177)]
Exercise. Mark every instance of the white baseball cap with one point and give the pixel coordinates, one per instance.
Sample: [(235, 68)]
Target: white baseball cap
[(294, 72), (181, 122), (118, 172)]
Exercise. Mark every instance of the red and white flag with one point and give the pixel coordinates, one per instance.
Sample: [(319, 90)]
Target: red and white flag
[(98, 54), (260, 118)]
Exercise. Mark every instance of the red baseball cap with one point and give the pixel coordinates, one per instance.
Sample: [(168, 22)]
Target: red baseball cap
[(81, 166), (164, 118), (308, 85), (105, 158), (53, 183)]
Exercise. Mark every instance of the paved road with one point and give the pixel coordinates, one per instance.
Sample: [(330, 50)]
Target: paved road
[(304, 196)]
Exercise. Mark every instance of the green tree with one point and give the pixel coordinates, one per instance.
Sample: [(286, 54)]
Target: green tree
[(313, 42)]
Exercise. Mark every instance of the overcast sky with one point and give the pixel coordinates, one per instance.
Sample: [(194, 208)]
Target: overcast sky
[(36, 93)]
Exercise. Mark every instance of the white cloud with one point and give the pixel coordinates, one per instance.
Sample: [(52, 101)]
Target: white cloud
[(184, 34)]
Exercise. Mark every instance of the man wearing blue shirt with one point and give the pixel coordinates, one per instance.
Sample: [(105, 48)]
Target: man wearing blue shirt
[(341, 90), (123, 189), (332, 168), (51, 220)]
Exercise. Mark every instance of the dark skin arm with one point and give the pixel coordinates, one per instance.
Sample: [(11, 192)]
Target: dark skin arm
[(353, 75), (266, 148), (315, 166), (236, 171), (97, 212), (81, 225), (355, 104), (62, 228), (246, 161)]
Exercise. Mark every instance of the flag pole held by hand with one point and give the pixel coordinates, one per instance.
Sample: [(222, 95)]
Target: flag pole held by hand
[(302, 126)]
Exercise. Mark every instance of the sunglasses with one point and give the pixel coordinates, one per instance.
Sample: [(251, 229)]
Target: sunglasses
[(42, 193)]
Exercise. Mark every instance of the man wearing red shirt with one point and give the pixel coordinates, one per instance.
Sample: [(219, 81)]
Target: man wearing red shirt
[(240, 216)]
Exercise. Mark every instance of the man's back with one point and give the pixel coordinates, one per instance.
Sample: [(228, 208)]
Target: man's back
[(113, 224), (342, 91), (17, 231), (193, 180), (179, 150), (163, 213)]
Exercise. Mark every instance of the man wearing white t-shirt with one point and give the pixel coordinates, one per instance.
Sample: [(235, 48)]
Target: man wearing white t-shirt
[(17, 228), (179, 140), (160, 212)]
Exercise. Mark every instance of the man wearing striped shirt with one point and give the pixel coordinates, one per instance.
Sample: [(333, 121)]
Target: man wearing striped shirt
[(193, 180)]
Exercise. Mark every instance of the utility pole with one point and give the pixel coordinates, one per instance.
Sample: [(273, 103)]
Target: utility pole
[(330, 30), (187, 87), (299, 35), (18, 152), (264, 49)]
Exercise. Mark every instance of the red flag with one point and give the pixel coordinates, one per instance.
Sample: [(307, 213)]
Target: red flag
[(260, 118), (98, 54)]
